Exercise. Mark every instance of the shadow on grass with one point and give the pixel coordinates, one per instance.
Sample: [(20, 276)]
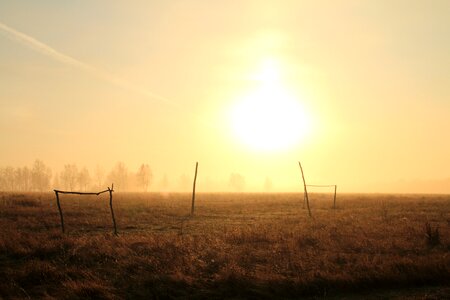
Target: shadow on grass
[(237, 287)]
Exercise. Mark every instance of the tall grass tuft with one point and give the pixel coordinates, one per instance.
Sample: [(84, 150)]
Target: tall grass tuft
[(432, 235), (384, 212)]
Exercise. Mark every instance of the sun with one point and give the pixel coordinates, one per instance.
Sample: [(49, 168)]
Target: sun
[(269, 117)]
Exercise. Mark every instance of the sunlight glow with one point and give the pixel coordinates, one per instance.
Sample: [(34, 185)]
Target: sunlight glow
[(269, 118)]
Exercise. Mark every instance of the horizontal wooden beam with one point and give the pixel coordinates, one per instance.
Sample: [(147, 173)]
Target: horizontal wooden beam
[(84, 193)]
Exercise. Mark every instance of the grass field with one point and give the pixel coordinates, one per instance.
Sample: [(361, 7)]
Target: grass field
[(260, 246)]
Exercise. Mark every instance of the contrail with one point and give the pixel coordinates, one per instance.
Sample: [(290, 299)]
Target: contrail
[(45, 49)]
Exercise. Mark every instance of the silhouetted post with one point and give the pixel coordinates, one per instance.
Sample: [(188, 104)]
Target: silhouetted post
[(193, 190), (110, 190), (60, 211), (304, 201), (334, 202), (306, 191)]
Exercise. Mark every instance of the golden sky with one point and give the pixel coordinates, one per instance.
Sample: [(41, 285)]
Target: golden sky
[(359, 91)]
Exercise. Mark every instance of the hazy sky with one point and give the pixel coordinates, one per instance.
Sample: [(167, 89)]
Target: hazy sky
[(157, 82)]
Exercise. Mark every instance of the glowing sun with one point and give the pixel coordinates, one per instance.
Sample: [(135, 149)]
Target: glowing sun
[(270, 117)]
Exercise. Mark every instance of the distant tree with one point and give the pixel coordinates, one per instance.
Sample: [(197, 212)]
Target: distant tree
[(144, 177), (26, 173), (237, 182), (268, 184), (17, 175), (56, 181), (83, 179), (2, 180), (18, 179), (119, 176), (9, 178), (40, 176), (99, 176), (23, 178), (69, 176)]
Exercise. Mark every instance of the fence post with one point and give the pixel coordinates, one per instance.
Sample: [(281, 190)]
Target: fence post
[(306, 191), (193, 190), (60, 211), (110, 190), (334, 202)]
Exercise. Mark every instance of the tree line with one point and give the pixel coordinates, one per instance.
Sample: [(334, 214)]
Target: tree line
[(39, 177)]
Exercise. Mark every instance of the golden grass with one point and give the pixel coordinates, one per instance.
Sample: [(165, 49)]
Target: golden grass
[(236, 246)]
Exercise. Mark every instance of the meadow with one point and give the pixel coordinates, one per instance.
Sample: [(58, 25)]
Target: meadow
[(238, 246)]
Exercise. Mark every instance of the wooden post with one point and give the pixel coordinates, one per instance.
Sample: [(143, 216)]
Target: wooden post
[(306, 191), (304, 200), (60, 211), (110, 190), (334, 202), (193, 190)]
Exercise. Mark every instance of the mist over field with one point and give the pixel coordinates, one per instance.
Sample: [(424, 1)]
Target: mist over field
[(356, 91), (71, 177), (225, 149), (39, 177)]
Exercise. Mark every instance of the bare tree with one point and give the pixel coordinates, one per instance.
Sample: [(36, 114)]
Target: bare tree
[(99, 176), (18, 179), (40, 176), (56, 181), (69, 176), (23, 178), (83, 179), (144, 177), (15, 179), (119, 176), (237, 182), (9, 178), (2, 180)]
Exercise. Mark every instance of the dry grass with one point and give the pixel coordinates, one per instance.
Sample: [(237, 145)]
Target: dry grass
[(237, 246)]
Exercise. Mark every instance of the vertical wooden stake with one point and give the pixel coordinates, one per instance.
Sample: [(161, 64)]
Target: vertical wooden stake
[(306, 191), (60, 211), (193, 190), (304, 201), (334, 202), (110, 190)]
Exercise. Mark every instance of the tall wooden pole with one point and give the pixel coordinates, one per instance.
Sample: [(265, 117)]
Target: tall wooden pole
[(304, 200), (110, 190), (334, 202), (60, 211), (306, 191), (193, 190)]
